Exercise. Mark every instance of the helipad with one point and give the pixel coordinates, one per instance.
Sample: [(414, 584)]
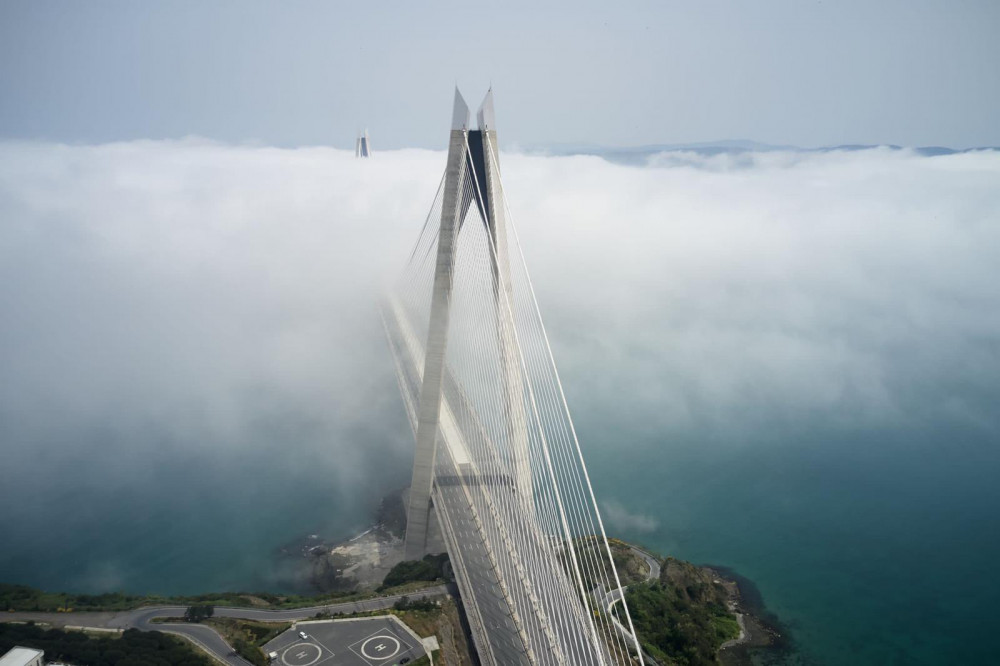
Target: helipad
[(372, 641), (303, 654)]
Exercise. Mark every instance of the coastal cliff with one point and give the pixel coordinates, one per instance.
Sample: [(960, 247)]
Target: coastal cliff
[(689, 615)]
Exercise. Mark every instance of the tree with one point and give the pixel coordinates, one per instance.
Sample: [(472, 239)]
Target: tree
[(199, 612), (428, 569)]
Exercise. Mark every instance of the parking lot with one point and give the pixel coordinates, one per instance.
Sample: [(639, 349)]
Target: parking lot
[(374, 641)]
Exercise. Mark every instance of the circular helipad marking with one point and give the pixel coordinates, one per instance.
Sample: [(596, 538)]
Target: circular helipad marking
[(301, 654), (380, 647)]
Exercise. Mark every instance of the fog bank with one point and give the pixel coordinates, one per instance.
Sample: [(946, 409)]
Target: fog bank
[(172, 306)]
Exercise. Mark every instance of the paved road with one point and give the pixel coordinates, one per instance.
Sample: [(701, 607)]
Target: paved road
[(609, 599), (203, 635), (651, 562), (128, 619)]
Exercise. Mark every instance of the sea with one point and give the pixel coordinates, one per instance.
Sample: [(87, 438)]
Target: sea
[(869, 548)]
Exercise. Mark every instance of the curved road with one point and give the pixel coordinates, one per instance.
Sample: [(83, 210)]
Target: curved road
[(203, 635), (609, 599), (651, 562)]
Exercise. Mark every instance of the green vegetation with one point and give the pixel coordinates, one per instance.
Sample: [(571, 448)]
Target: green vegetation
[(439, 619), (250, 652), (726, 626), (682, 618), (199, 612), (430, 568), (132, 648), (247, 636), (24, 598), (631, 567), (405, 603)]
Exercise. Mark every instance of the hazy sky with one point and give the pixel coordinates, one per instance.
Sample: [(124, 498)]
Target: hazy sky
[(805, 73)]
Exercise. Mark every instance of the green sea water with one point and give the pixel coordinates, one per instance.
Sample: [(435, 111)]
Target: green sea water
[(184, 524), (871, 548)]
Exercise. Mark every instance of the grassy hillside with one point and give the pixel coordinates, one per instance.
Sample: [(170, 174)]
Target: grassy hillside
[(682, 618)]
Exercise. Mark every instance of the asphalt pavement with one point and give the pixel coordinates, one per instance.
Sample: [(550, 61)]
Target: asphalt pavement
[(373, 641), (203, 635), (652, 562)]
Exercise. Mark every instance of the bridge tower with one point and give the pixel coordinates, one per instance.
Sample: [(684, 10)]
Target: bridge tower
[(472, 152), (498, 477), (362, 147)]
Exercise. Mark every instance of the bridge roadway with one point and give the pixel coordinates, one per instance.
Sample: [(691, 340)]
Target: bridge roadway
[(489, 611), (521, 605), (205, 636)]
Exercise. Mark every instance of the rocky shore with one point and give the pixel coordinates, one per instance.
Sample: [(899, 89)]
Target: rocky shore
[(762, 639), (359, 563)]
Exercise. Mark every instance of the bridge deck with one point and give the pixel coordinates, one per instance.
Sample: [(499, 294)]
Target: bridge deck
[(503, 595)]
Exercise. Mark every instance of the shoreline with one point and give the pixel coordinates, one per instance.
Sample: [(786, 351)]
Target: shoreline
[(358, 562), (744, 636), (355, 562), (760, 629)]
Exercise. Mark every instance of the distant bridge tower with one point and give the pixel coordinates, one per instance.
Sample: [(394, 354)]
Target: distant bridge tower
[(363, 146), (472, 155)]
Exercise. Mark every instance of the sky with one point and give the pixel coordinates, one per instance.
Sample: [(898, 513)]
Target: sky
[(901, 72)]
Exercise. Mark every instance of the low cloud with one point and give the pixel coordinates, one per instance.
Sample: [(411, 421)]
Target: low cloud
[(213, 303), (620, 518), (737, 294), (210, 291)]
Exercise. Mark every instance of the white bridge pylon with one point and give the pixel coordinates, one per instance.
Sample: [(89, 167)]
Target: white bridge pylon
[(498, 474)]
